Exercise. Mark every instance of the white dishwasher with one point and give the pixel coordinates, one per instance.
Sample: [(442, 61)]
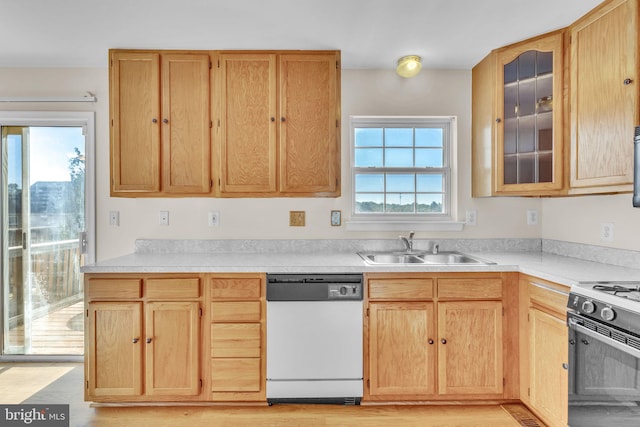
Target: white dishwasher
[(314, 338)]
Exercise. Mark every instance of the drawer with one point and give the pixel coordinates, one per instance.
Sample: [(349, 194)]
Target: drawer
[(549, 297), (235, 339), (116, 289), (229, 288), (235, 311), (242, 375), (172, 288), (470, 288), (400, 289)]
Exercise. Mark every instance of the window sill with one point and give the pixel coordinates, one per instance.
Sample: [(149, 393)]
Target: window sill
[(403, 225)]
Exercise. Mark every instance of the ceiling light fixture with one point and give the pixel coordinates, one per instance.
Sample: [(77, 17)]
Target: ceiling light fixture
[(409, 66)]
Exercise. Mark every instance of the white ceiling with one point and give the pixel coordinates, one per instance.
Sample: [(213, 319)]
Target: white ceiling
[(372, 34)]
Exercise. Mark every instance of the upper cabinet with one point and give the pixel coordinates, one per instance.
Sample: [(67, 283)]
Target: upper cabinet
[(255, 124), (529, 122), (279, 124), (604, 97), (160, 123), (517, 119), (555, 115)]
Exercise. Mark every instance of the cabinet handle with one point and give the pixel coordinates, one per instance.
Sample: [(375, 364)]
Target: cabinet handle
[(443, 341), (627, 81), (565, 366), (273, 119), (165, 121), (282, 119), (498, 120), (585, 341), (148, 340), (154, 120), (430, 341), (135, 340)]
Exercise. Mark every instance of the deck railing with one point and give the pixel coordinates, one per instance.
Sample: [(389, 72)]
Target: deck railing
[(55, 280)]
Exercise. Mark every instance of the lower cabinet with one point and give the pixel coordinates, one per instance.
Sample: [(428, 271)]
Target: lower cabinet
[(142, 343), (437, 337), (544, 345), (237, 337)]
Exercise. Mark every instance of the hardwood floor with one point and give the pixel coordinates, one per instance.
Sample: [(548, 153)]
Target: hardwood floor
[(52, 383)]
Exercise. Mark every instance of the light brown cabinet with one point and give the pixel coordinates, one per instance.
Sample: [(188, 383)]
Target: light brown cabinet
[(160, 123), (142, 338), (604, 97), (579, 139), (422, 328), (279, 124), (517, 119), (544, 349), (237, 352)]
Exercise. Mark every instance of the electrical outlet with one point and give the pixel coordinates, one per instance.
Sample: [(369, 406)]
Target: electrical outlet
[(296, 218), (114, 218), (532, 217), (606, 232), (214, 218), (164, 217), (472, 217)]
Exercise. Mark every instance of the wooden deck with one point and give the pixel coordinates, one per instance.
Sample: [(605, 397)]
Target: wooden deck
[(60, 332)]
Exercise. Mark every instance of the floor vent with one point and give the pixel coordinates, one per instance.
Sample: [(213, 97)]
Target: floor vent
[(522, 415)]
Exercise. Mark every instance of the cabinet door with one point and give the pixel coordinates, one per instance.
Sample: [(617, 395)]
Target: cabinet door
[(248, 123), (309, 131), (604, 95), (401, 349), (186, 123), (548, 379), (135, 128), (114, 349), (172, 351), (470, 347), (529, 110)]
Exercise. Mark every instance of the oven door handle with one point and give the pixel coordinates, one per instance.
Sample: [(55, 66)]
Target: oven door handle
[(573, 324)]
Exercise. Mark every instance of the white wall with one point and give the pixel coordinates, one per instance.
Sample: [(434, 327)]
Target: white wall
[(579, 219), (440, 92)]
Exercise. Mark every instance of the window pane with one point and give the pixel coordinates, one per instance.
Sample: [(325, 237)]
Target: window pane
[(429, 137), (429, 203), (398, 157), (369, 203), (402, 202), (369, 183), (429, 157), (400, 183), (368, 137), (429, 183), (368, 157), (398, 137)]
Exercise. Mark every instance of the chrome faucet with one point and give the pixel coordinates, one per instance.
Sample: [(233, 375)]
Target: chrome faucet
[(408, 241)]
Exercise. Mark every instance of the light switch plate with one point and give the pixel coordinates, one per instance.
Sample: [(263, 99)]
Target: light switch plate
[(114, 218), (532, 217), (214, 218), (163, 218)]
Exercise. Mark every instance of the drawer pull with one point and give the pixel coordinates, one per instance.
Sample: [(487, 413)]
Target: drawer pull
[(148, 340), (135, 340), (430, 341), (443, 341)]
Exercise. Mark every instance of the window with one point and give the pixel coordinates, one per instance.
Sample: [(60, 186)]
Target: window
[(401, 168)]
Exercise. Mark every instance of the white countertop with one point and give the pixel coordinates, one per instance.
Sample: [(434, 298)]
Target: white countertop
[(560, 269)]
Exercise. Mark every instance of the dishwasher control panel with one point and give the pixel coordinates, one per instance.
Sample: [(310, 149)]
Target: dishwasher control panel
[(345, 291)]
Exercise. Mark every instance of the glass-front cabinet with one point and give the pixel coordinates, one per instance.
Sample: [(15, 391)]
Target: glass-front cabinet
[(528, 151)]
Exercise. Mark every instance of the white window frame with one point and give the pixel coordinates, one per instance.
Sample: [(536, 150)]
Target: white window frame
[(86, 120), (445, 221)]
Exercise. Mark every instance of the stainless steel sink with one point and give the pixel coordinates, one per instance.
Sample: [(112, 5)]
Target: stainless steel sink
[(402, 258)]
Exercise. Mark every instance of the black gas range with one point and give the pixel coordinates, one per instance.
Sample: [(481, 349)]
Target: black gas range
[(604, 354)]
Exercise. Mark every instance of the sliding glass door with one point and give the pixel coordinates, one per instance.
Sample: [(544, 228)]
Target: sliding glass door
[(43, 229)]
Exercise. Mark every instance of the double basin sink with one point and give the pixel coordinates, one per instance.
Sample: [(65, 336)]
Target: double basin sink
[(416, 257)]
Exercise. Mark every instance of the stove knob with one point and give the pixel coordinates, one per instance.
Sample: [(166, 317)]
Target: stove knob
[(607, 314), (343, 290), (588, 307)]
